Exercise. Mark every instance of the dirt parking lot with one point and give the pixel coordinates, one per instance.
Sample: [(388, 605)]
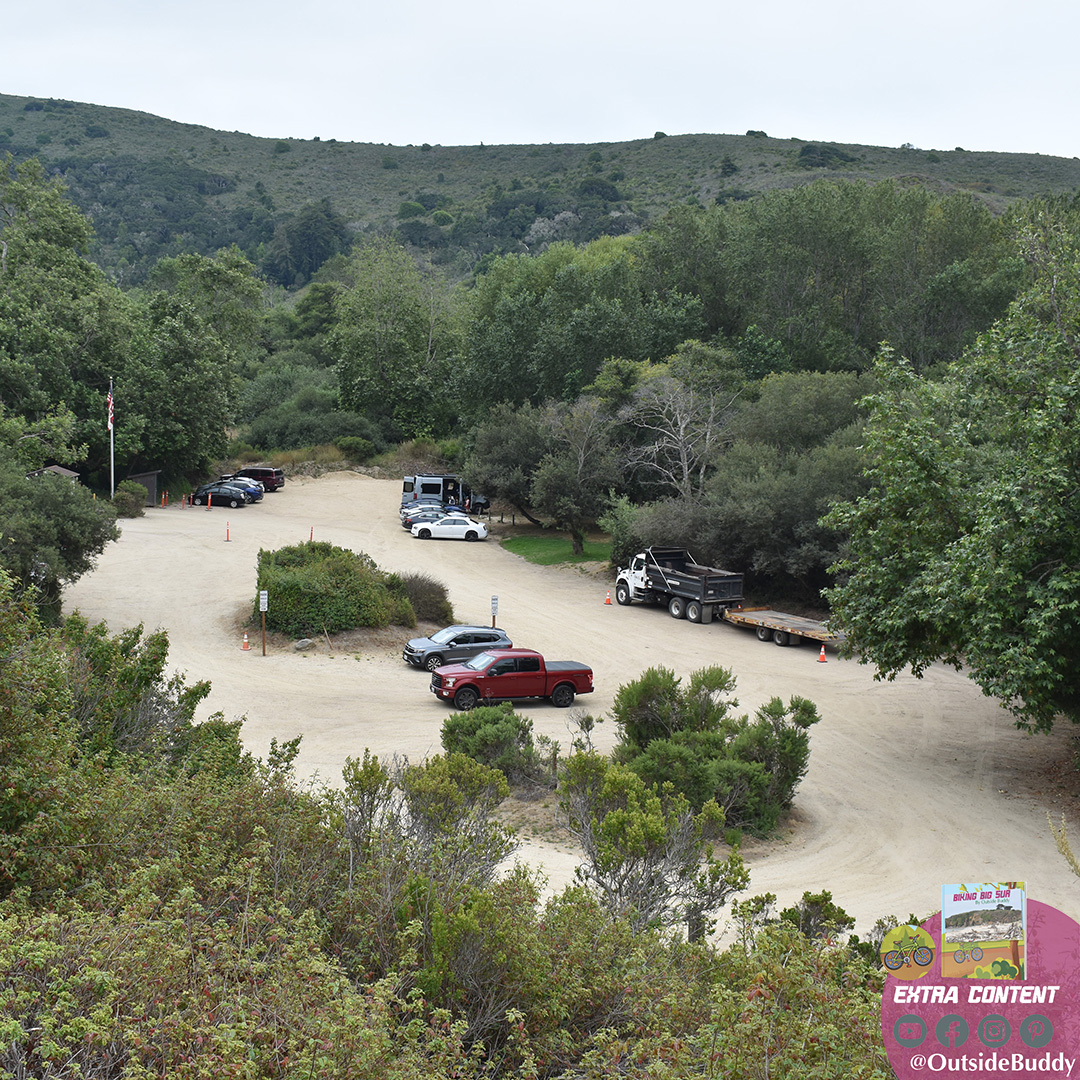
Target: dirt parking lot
[(911, 783)]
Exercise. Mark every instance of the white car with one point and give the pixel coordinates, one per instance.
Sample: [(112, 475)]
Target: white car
[(451, 527)]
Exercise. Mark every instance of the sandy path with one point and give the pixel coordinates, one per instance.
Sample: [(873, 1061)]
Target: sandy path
[(911, 784)]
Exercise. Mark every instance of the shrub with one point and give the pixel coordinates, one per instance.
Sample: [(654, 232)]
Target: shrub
[(428, 597), (129, 499), (689, 736), (355, 448), (502, 739), (619, 522), (494, 735), (319, 588), (816, 916)]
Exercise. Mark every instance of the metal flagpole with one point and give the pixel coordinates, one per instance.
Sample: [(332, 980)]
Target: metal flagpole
[(112, 453)]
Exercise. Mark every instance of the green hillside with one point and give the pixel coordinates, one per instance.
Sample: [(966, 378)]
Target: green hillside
[(154, 187)]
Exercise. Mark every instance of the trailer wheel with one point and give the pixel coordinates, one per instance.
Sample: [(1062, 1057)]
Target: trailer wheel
[(622, 593), (763, 633), (693, 611), (780, 637), (677, 607)]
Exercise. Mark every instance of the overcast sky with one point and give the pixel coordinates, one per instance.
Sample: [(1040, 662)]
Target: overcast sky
[(935, 73)]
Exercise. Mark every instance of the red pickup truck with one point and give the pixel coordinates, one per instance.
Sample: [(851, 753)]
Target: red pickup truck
[(511, 673)]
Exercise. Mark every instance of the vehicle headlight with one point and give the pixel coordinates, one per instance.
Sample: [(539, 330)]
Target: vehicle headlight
[(449, 682)]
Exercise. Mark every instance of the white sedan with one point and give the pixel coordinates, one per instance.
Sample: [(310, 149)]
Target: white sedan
[(451, 527)]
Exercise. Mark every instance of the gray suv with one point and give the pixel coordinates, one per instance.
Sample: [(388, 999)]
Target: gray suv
[(452, 645)]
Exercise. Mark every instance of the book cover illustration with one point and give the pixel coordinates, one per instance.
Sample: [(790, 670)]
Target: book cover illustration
[(983, 930)]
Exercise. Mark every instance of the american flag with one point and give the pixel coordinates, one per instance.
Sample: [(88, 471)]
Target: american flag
[(110, 410)]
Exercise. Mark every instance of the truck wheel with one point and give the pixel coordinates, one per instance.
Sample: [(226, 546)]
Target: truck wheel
[(433, 661), (763, 633), (622, 593), (780, 637), (677, 607), (562, 697), (466, 699), (693, 611)]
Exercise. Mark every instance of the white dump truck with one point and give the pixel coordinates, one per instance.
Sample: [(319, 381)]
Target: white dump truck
[(670, 576)]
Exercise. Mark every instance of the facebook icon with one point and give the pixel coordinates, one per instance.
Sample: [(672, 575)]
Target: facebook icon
[(952, 1031)]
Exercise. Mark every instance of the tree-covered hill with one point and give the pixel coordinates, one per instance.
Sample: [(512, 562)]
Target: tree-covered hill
[(155, 188)]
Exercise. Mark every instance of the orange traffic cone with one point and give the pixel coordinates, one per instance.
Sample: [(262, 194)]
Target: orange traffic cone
[(821, 655), (608, 600), (245, 647)]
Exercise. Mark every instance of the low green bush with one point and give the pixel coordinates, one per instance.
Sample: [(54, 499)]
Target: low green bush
[(502, 739), (129, 499), (690, 736), (494, 735), (319, 588), (356, 448), (428, 597)]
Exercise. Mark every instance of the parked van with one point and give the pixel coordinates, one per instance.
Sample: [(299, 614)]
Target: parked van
[(271, 479), (441, 488)]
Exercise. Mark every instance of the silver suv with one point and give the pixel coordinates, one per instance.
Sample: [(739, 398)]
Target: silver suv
[(452, 645)]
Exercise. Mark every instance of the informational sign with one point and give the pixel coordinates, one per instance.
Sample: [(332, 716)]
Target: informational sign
[(264, 600), (494, 606)]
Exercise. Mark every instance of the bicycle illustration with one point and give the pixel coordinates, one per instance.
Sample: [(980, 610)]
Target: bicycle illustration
[(974, 952), (908, 949)]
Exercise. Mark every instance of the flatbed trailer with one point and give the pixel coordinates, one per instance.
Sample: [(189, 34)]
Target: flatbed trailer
[(782, 628)]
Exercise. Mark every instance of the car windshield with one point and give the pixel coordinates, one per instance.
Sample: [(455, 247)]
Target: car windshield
[(443, 636), (480, 661)]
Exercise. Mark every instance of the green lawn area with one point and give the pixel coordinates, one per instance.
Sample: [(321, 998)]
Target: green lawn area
[(549, 550)]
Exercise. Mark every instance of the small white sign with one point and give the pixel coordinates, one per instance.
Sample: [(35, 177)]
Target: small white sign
[(264, 600), (494, 605)]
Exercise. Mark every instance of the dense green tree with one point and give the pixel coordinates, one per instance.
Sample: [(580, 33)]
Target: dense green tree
[(507, 448), (961, 550), (832, 269), (301, 244), (540, 327), (223, 291), (395, 340), (796, 411), (52, 529), (965, 548), (790, 449), (827, 271), (572, 482), (63, 329), (684, 251), (176, 396)]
